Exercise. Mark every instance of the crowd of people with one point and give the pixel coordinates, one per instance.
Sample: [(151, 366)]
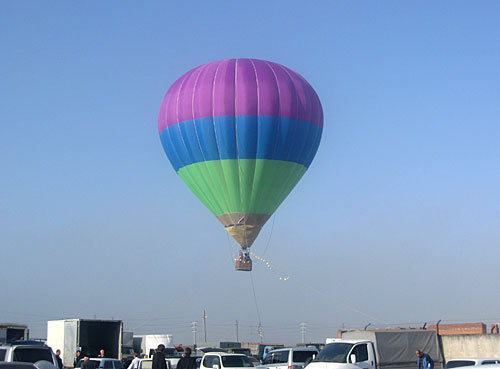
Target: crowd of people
[(159, 362)]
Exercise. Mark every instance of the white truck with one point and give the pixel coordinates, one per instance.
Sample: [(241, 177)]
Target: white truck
[(87, 335), (386, 349), (127, 346), (146, 344)]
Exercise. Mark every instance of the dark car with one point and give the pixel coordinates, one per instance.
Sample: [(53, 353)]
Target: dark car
[(5, 365)]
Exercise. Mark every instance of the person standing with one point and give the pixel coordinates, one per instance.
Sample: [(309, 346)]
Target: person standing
[(78, 357), (187, 362), (159, 358), (101, 353), (58, 358), (135, 363), (424, 361)]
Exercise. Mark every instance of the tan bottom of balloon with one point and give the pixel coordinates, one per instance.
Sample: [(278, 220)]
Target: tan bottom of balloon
[(243, 227), (245, 235)]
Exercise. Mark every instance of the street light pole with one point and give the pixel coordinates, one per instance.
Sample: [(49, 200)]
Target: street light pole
[(194, 330), (205, 325), (303, 331)]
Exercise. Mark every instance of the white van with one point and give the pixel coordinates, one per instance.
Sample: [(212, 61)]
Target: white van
[(288, 358)]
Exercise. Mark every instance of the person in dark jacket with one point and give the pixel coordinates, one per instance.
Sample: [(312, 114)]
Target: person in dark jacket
[(159, 358), (424, 361), (58, 358), (187, 362), (78, 357)]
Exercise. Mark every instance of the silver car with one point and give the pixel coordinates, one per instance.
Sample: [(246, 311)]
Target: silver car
[(27, 352)]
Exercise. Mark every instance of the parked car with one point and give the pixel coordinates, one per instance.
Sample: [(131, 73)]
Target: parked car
[(127, 363), (198, 361), (173, 357), (471, 361), (288, 358), (254, 361), (27, 352), (224, 360), (240, 350), (103, 363), (15, 365), (148, 364), (145, 364), (480, 366)]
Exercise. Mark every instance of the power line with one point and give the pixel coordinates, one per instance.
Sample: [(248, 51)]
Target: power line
[(270, 234), (259, 329)]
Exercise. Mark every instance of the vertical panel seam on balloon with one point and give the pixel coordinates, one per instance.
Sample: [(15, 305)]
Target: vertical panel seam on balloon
[(273, 157), (290, 176), (192, 113), (279, 108), (214, 198), (177, 112), (180, 132), (294, 126), (315, 104), (215, 133), (207, 171), (213, 110), (250, 207), (310, 124), (181, 164), (236, 126), (166, 100), (313, 151), (316, 98), (285, 157)]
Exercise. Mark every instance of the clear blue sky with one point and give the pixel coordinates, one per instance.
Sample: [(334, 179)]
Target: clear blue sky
[(396, 222)]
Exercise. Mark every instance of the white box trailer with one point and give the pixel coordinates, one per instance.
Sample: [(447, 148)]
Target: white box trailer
[(87, 335)]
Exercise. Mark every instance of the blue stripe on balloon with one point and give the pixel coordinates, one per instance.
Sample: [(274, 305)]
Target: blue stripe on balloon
[(244, 137)]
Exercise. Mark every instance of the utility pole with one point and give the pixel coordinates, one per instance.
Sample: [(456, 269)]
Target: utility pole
[(205, 325), (303, 331), (237, 340), (194, 330)]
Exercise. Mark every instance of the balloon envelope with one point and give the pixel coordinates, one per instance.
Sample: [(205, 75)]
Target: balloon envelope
[(241, 133)]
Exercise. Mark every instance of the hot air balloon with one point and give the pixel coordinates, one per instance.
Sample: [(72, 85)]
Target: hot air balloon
[(241, 133)]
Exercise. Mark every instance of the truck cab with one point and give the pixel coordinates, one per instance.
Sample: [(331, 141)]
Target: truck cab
[(346, 354)]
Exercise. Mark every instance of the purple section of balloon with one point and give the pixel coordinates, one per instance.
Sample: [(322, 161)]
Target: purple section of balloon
[(240, 87)]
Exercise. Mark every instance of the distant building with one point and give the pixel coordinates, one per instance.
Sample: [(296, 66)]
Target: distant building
[(462, 328)]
